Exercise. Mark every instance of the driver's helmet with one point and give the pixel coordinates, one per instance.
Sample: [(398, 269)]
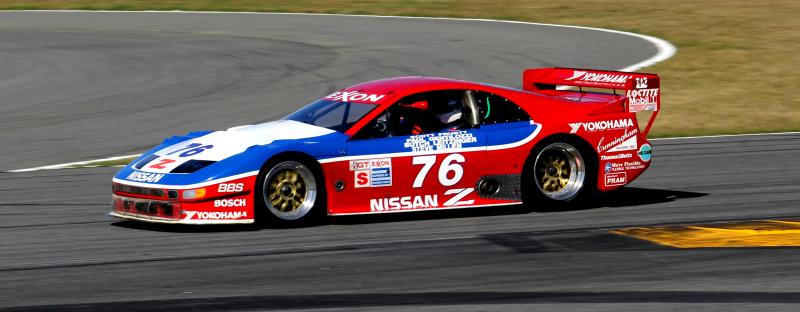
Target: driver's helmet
[(452, 114)]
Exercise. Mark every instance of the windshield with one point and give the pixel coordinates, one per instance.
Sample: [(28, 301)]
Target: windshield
[(337, 116)]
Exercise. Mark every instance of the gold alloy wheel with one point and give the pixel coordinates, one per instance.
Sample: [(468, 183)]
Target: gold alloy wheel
[(289, 190), (559, 171)]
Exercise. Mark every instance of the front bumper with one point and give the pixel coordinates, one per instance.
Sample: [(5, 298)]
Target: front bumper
[(158, 206)]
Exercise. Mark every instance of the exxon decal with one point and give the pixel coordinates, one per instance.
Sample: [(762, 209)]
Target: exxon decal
[(601, 125), (354, 96), (582, 75)]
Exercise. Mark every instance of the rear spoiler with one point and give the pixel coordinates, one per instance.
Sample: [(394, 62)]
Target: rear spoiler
[(642, 90)]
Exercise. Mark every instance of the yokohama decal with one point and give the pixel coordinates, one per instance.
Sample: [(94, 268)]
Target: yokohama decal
[(601, 125)]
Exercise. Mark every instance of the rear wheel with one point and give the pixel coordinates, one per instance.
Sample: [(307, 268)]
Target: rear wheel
[(558, 174), (289, 192)]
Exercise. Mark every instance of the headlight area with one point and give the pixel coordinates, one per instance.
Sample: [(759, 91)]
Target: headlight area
[(227, 202)]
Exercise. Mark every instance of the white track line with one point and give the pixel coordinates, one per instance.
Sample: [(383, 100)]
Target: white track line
[(726, 136), (75, 164), (665, 50)]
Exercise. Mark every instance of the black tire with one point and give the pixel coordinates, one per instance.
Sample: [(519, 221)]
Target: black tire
[(297, 190), (559, 174)]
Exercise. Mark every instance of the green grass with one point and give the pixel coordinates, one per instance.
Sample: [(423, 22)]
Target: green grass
[(735, 70)]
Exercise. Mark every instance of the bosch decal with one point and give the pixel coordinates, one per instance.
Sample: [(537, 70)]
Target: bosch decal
[(602, 125), (239, 202)]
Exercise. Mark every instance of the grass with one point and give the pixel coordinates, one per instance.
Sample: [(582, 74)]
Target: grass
[(736, 67)]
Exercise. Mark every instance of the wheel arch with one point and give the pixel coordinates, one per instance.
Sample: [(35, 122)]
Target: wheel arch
[(303, 158)]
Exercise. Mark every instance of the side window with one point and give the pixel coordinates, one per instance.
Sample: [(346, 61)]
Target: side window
[(417, 114), (496, 109)]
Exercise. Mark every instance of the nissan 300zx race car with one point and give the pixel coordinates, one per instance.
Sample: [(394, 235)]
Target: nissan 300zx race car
[(405, 144)]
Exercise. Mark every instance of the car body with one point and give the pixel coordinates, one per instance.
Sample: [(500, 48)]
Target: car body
[(404, 144)]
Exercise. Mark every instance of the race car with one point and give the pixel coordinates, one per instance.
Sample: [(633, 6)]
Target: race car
[(405, 144)]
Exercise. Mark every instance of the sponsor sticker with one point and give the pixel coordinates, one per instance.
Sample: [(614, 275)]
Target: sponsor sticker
[(230, 187), (623, 166), (354, 96), (215, 215), (403, 203), (372, 172), (238, 202), (617, 156), (150, 177), (603, 147), (642, 100), (439, 141), (645, 152), (590, 77), (602, 125), (613, 179)]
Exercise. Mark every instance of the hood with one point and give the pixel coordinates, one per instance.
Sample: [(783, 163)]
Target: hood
[(220, 145)]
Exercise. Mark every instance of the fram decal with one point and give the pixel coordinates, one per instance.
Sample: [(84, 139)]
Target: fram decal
[(439, 141), (372, 172), (139, 176), (613, 179), (582, 75), (602, 125), (354, 96), (642, 100)]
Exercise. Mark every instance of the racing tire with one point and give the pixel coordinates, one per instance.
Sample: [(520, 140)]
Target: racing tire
[(560, 174), (289, 193)]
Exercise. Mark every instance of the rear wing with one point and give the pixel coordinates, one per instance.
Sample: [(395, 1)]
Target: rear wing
[(642, 90)]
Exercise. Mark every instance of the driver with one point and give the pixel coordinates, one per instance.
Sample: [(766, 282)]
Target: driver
[(451, 118)]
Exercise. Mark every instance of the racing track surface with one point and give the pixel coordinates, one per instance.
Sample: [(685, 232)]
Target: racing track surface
[(69, 77)]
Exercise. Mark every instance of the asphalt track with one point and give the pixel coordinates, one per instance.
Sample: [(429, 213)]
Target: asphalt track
[(80, 85)]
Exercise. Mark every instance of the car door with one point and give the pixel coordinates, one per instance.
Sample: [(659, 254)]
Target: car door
[(418, 154)]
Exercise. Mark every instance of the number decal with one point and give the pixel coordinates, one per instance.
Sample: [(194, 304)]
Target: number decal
[(192, 145), (427, 162), (641, 83), (195, 151), (192, 149), (161, 164), (451, 163)]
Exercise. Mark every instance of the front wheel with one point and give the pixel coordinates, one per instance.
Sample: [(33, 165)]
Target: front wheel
[(289, 192), (557, 175)]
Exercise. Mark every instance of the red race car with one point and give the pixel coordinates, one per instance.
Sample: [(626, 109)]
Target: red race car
[(402, 144)]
